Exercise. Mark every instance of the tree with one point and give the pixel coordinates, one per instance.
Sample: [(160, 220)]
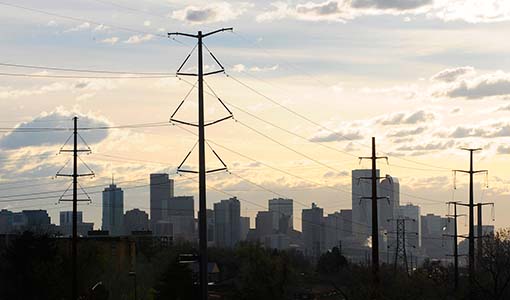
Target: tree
[(494, 275), (331, 262)]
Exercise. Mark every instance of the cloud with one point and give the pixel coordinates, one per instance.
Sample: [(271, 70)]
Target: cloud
[(407, 132), (340, 135), (338, 11), (82, 26), (487, 85), (137, 39), (471, 11), (210, 13), (242, 68), (428, 146), (503, 149), (112, 40), (494, 130), (451, 75), (504, 108), (399, 5), (57, 119), (407, 118)]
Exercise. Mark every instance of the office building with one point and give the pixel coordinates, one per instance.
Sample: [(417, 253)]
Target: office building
[(136, 220), (313, 231), (181, 214), (264, 224), (245, 227), (113, 210), (161, 190), (435, 244), (283, 213), (390, 190), (361, 188), (66, 224), (227, 218)]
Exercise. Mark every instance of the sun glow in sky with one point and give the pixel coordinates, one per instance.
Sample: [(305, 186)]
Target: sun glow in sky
[(310, 83)]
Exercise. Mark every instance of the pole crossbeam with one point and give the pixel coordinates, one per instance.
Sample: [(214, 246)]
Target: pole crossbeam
[(202, 171)]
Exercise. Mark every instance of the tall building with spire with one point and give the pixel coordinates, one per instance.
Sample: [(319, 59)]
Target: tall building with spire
[(113, 210)]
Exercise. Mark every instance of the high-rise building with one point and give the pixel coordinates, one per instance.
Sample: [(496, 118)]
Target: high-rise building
[(361, 206), (161, 190), (6, 220), (210, 226), (66, 224), (413, 227), (313, 231), (245, 227), (113, 210), (390, 189), (283, 213), (433, 230), (333, 230), (264, 224), (135, 220), (37, 220), (227, 218), (181, 214)]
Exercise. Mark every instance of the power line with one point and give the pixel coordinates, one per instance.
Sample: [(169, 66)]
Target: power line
[(78, 19), (82, 77), (37, 67), (314, 122)]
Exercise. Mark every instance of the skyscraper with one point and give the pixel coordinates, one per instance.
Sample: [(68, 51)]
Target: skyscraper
[(389, 188), (362, 207), (313, 231), (161, 189), (181, 214), (66, 224), (413, 228), (282, 210), (227, 218), (113, 210), (135, 220)]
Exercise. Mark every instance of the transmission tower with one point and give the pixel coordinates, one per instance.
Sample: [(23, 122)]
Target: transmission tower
[(375, 226), (471, 206), (202, 213), (401, 243), (479, 236), (75, 198), (455, 237)]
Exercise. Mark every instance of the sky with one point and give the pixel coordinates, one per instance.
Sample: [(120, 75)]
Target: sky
[(308, 82)]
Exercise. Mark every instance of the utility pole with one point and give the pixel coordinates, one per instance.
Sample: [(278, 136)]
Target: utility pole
[(471, 206), (479, 236), (455, 243), (374, 199), (75, 200), (202, 213)]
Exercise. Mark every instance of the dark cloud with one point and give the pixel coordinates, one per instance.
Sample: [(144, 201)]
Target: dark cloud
[(450, 75), (407, 132), (407, 118), (57, 119), (200, 15), (391, 4)]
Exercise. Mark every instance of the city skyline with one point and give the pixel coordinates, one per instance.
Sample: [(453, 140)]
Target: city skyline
[(433, 98)]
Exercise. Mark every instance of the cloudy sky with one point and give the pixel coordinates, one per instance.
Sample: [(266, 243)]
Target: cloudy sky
[(310, 82)]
